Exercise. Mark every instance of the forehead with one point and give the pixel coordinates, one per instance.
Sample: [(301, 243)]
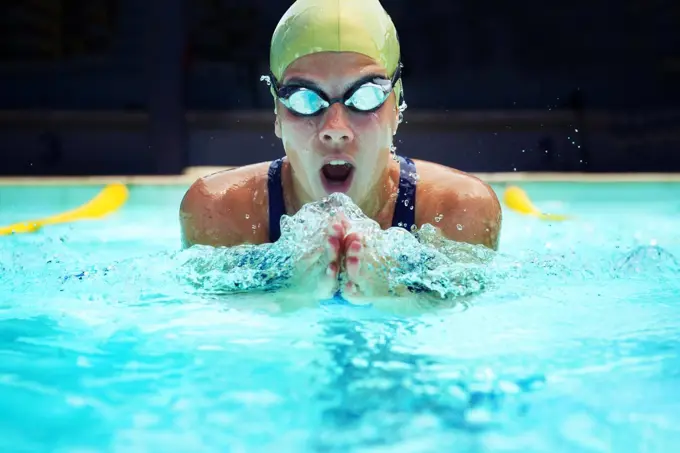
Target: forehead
[(333, 67)]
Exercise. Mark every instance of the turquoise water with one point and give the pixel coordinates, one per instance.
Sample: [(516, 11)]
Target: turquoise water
[(574, 346)]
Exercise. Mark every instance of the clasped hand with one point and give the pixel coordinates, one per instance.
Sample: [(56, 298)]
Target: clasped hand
[(351, 265)]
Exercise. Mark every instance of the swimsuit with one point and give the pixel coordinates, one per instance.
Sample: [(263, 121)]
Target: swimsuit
[(404, 211)]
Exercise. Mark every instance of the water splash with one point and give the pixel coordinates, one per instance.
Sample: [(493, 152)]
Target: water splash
[(648, 259), (266, 79), (423, 261)]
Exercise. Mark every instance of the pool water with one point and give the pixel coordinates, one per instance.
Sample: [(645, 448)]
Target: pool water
[(576, 348)]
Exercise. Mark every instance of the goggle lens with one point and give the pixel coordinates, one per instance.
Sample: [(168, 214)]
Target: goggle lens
[(367, 98), (305, 102)]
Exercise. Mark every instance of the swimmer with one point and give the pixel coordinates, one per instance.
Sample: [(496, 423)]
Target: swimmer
[(338, 100)]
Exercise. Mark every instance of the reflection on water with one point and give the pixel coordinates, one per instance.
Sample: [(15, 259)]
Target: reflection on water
[(377, 392)]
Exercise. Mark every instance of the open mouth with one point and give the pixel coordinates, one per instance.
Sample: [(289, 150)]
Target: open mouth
[(337, 175)]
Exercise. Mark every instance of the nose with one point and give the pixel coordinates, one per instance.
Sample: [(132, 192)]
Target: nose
[(335, 129)]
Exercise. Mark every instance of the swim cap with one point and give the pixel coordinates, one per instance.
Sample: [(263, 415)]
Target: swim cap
[(311, 26)]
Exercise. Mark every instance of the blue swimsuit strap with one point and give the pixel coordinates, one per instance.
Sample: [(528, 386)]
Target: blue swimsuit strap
[(277, 205), (405, 208), (404, 211)]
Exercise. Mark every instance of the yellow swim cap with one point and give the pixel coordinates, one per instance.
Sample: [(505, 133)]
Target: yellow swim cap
[(311, 26)]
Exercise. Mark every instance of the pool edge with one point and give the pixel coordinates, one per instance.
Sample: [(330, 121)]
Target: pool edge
[(192, 173)]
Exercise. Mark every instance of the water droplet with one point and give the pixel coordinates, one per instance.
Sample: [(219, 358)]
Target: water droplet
[(247, 216), (411, 208), (460, 227), (406, 202), (439, 218), (575, 130), (414, 228), (514, 169)]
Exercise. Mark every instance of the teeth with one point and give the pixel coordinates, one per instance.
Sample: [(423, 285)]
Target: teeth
[(338, 162)]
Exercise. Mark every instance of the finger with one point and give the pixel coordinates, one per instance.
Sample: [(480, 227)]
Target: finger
[(337, 229), (353, 247), (349, 242), (333, 248), (342, 219), (353, 266), (334, 241), (353, 262)]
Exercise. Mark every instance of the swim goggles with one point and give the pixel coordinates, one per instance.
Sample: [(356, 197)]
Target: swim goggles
[(366, 95)]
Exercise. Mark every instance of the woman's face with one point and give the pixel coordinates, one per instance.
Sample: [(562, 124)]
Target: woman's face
[(338, 150)]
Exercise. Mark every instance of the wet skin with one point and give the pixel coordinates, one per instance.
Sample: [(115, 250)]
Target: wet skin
[(231, 207)]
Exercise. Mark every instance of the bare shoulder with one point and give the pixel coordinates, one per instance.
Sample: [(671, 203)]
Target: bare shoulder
[(226, 208), (462, 206)]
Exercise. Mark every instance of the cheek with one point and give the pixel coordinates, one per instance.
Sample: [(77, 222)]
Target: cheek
[(367, 123), (297, 135), (374, 130), (295, 130)]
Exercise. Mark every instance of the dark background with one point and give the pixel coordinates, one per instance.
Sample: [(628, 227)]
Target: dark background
[(154, 86)]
